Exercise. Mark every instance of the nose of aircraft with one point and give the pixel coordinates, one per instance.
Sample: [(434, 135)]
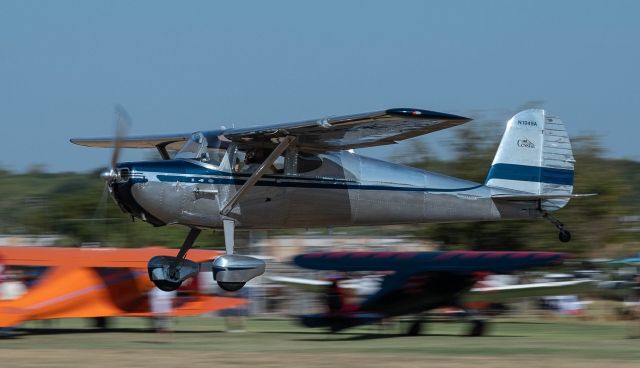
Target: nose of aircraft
[(121, 182)]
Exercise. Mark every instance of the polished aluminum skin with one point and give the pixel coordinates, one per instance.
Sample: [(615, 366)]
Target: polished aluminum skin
[(347, 189), (340, 188)]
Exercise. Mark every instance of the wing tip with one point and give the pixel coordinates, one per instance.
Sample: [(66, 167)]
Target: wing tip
[(425, 114)]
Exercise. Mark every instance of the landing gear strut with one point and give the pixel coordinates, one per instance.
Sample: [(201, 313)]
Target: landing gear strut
[(231, 271), (168, 273), (563, 235)]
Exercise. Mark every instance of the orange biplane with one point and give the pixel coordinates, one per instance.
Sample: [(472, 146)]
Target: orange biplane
[(93, 282)]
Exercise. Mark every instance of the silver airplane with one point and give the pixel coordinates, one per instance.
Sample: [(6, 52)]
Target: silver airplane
[(305, 174)]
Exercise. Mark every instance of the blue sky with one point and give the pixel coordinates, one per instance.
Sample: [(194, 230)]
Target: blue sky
[(190, 65)]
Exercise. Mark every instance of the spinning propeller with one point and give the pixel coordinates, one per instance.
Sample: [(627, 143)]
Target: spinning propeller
[(123, 122)]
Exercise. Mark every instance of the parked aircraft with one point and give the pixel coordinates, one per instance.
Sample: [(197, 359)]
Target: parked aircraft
[(418, 282), (305, 174), (92, 282)]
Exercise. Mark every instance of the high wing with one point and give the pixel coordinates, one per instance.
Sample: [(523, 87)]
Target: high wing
[(170, 142), (351, 131), (331, 133)]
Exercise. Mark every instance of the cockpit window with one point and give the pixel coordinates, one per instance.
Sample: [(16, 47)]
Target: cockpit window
[(216, 154), (195, 148), (246, 162)]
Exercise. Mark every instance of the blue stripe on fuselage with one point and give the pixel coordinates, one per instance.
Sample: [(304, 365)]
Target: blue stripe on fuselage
[(326, 184), (531, 173), (189, 168), (188, 172)]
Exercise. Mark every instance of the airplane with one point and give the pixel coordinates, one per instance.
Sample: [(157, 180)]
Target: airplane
[(306, 174), (93, 283), (415, 283)]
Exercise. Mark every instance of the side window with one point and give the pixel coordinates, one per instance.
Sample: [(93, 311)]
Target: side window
[(248, 161)]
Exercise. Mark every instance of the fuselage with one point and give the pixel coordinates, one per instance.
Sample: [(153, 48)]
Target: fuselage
[(330, 189)]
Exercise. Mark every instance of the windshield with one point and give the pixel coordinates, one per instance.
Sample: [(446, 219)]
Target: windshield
[(195, 148)]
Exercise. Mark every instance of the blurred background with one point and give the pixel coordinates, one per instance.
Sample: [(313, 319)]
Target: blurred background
[(182, 67), (202, 65)]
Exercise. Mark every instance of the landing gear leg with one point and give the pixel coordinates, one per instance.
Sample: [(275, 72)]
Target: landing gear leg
[(231, 271), (186, 245), (168, 273), (478, 328), (415, 328), (563, 235), (229, 227), (229, 235)]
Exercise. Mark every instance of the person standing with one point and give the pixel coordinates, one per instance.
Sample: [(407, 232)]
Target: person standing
[(161, 303)]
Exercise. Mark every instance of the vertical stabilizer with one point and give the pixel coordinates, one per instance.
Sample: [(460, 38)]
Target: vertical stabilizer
[(535, 157)]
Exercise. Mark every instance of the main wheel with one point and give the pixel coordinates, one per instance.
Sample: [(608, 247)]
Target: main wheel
[(230, 286), (165, 285), (564, 236)]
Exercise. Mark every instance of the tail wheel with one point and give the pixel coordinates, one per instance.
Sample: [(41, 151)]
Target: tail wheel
[(564, 236)]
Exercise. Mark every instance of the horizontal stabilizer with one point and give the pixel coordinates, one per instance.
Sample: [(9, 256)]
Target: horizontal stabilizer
[(413, 262)]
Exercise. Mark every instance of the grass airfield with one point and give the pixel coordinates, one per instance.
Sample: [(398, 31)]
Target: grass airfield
[(202, 342)]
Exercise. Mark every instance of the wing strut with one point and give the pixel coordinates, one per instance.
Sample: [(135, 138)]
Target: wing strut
[(253, 179)]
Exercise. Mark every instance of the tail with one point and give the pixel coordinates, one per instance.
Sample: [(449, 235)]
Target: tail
[(535, 157)]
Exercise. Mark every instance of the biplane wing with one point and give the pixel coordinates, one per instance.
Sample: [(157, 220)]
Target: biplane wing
[(94, 282), (92, 257), (539, 289), (415, 262), (423, 281), (477, 294)]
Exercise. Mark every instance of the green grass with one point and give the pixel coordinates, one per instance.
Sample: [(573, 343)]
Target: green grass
[(564, 341)]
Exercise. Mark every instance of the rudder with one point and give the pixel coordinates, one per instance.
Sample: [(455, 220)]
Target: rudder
[(535, 156)]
